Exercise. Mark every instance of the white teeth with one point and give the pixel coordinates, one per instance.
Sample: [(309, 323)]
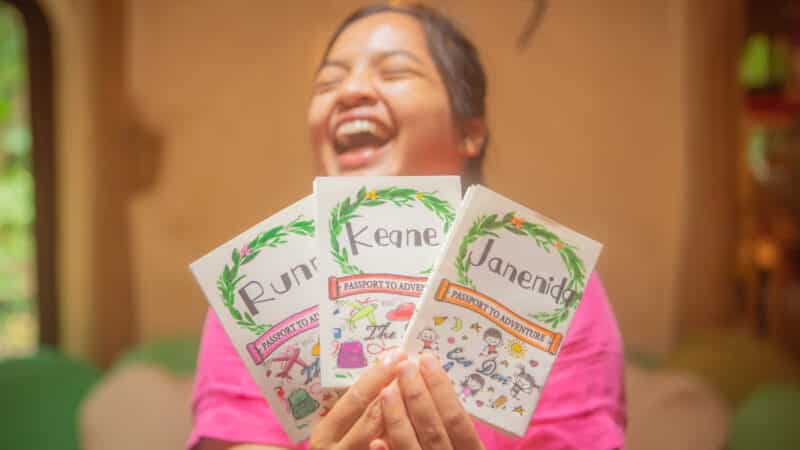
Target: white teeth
[(357, 126)]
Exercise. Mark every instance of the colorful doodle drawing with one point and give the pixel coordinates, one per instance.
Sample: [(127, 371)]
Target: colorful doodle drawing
[(360, 311), (476, 326), (379, 347), (438, 320), (471, 385), (429, 339), (455, 355), (302, 404), (351, 355), (311, 371), (457, 324), (519, 410), (516, 349), (402, 313), (493, 338), (499, 401), (523, 382), (282, 397), (289, 359)]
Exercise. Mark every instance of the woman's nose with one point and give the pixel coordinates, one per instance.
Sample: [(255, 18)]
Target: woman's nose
[(357, 90)]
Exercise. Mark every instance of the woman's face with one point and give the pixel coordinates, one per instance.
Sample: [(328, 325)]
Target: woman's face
[(379, 105)]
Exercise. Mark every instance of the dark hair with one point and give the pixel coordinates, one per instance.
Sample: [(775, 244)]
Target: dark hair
[(493, 332), (457, 61), (476, 378)]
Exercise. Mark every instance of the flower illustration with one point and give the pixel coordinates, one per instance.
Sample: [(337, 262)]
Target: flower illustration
[(559, 245), (517, 222), (420, 195), (244, 251), (372, 195)]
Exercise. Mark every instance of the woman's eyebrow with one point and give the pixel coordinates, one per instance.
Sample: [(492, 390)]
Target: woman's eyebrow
[(383, 55), (332, 63)]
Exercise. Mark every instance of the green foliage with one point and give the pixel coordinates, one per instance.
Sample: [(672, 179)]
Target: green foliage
[(16, 180)]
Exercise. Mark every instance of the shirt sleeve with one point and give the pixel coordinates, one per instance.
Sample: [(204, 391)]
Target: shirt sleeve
[(583, 401), (226, 403)]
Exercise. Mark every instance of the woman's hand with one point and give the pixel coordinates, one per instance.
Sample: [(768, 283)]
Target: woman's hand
[(356, 419), (425, 412)]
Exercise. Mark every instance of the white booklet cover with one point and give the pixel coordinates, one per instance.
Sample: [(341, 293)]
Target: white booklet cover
[(261, 286), (378, 238), (498, 305)]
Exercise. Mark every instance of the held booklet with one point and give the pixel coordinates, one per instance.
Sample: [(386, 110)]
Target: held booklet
[(378, 238), (260, 285), (498, 305)]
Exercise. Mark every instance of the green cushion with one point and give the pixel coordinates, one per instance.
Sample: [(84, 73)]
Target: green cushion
[(768, 420), (177, 355), (39, 397)]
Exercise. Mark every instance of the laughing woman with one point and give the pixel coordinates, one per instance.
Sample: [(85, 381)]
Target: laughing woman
[(401, 91)]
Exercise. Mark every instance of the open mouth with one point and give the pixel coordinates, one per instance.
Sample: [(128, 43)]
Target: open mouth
[(359, 142)]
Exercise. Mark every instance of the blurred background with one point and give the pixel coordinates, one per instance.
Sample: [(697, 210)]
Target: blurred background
[(137, 135)]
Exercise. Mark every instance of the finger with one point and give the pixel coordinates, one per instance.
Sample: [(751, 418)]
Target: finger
[(352, 405), (421, 409), (400, 433), (456, 421), (379, 444), (367, 427)]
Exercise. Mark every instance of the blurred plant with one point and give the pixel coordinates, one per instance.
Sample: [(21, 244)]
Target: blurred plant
[(17, 327)]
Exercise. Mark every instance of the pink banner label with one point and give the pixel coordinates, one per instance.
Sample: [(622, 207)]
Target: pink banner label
[(382, 283), (278, 334)]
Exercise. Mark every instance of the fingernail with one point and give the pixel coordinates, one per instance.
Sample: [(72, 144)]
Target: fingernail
[(409, 371), (392, 358), (377, 445)]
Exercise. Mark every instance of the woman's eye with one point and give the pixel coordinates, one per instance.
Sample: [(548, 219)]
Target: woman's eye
[(326, 84), (394, 73)]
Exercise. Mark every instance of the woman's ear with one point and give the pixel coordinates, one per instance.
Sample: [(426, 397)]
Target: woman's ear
[(474, 136)]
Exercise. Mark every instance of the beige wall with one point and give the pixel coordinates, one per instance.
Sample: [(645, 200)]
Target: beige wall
[(590, 125)]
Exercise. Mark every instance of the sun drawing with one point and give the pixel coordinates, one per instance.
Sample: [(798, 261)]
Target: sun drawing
[(516, 349)]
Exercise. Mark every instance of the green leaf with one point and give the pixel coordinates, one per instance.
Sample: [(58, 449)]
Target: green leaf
[(250, 257), (235, 256)]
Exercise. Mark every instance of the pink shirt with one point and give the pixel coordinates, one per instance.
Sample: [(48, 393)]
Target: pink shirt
[(582, 404)]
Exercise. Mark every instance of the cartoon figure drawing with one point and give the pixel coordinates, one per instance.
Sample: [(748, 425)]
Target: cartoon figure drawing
[(312, 370), (523, 382), (361, 310), (429, 339), (289, 358), (471, 386), (492, 338)]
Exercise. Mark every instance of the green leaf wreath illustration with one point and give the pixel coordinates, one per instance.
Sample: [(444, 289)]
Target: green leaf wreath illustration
[(239, 257), (489, 225), (345, 211)]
